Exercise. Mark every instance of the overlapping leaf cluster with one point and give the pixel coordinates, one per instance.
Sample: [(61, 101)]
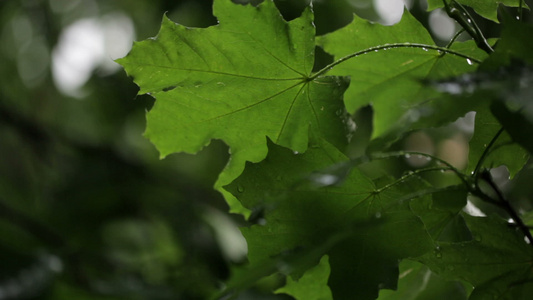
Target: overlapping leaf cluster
[(334, 230)]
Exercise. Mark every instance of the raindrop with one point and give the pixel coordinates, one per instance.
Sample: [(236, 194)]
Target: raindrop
[(437, 252), (240, 189), (526, 239), (518, 17), (469, 21), (378, 215), (469, 61), (425, 49), (221, 84), (408, 156), (296, 152)]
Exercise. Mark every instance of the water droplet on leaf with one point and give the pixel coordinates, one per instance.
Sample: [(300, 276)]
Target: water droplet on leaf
[(437, 252), (240, 189), (468, 61)]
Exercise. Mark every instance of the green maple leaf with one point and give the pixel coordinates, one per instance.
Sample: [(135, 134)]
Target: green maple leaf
[(312, 285), (393, 74), (503, 150), (417, 282), (241, 81), (497, 262), (372, 228), (441, 214), (485, 8)]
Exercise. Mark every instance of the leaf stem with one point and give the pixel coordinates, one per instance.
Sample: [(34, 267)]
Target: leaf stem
[(410, 174), (486, 152), (455, 37), (457, 12), (429, 191), (403, 153), (503, 203), (386, 47)]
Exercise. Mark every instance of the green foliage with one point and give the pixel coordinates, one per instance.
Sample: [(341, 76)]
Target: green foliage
[(485, 8), (312, 285), (205, 67), (496, 262), (338, 226)]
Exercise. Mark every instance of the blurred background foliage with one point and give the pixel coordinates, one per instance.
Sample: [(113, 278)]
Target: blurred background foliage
[(87, 209)]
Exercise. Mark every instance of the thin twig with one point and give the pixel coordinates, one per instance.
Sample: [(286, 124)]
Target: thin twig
[(457, 12), (507, 206), (454, 38), (486, 152)]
